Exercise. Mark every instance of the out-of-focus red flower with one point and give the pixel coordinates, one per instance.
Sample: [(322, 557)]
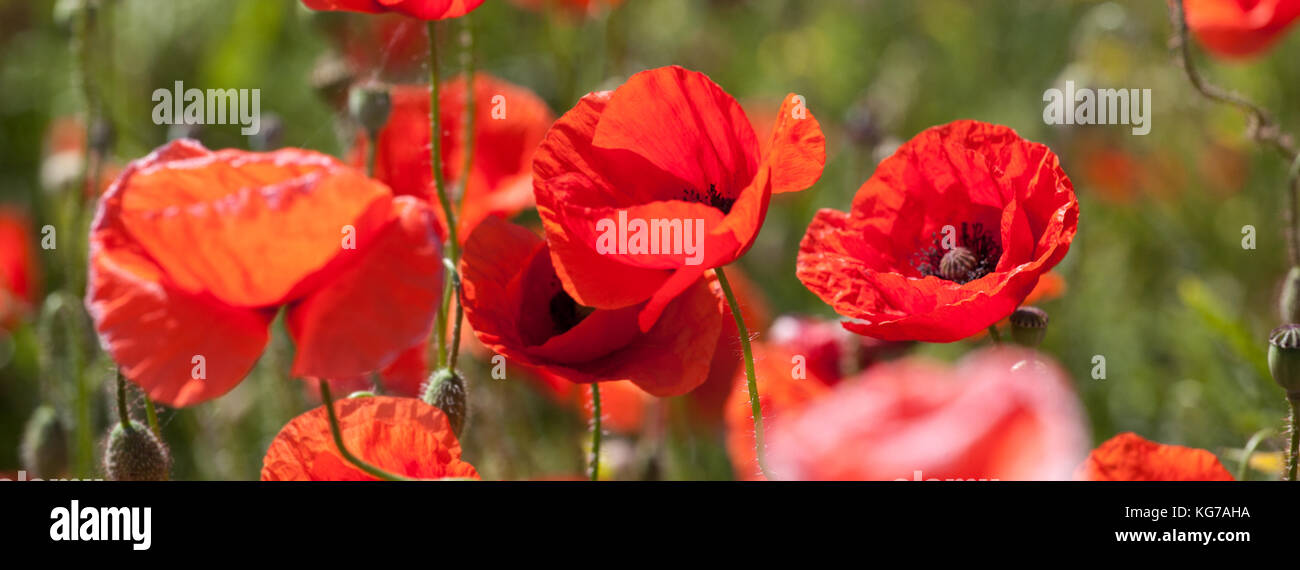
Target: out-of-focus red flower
[(1130, 457), (20, 281), (422, 9), (827, 348), (1005, 203), (509, 123), (64, 155), (517, 308), (1239, 28), (403, 436), (1004, 414), (781, 394), (1115, 174), (667, 145), (193, 252)]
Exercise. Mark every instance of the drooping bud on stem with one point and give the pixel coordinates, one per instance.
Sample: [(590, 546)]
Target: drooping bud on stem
[(369, 105), (44, 449), (446, 391), (135, 454), (1029, 326)]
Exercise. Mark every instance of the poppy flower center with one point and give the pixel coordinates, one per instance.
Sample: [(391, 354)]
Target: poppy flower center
[(566, 313), (712, 198), (974, 255)]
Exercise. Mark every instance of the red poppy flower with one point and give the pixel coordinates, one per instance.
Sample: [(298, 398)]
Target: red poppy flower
[(781, 394), (19, 269), (193, 252), (948, 236), (516, 306), (1239, 28), (403, 436), (422, 9), (668, 145), (1002, 414), (1129, 457), (509, 123)]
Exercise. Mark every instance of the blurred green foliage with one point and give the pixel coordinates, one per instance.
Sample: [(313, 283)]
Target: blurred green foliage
[(1158, 281)]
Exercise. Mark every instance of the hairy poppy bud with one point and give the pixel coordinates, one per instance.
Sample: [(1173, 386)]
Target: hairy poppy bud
[(370, 104), (44, 449), (135, 454), (1028, 326), (1288, 304), (446, 391), (1284, 358)]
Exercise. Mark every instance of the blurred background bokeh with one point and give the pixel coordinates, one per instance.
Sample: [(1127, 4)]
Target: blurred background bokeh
[(1157, 280)]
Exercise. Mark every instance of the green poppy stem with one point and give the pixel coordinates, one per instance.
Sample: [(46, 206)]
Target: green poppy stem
[(595, 431), (440, 187), (750, 379), (1294, 457), (371, 470), (994, 334), (122, 415), (152, 415)]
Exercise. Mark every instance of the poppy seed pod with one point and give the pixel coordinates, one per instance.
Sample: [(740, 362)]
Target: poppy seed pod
[(446, 391), (1029, 326), (370, 105), (44, 450), (135, 454), (1288, 303), (1284, 358)]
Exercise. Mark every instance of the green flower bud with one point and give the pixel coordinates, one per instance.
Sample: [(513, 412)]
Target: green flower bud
[(1029, 326), (370, 104), (446, 391), (44, 449), (135, 454), (1284, 358)]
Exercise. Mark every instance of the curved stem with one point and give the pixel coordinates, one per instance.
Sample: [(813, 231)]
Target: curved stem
[(750, 379), (595, 431), (1243, 467), (1262, 126), (343, 450)]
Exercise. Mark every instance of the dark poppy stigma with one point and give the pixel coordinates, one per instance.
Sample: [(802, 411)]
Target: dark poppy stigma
[(975, 255), (566, 313), (712, 198)]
